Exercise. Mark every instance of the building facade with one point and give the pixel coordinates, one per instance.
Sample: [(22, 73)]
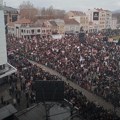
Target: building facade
[(114, 23), (5, 68), (101, 19), (80, 17), (3, 52), (61, 25), (24, 28), (10, 14), (54, 27), (71, 26)]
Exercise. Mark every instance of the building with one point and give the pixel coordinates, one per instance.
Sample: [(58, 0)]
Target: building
[(5, 68), (61, 24), (80, 17), (24, 28), (10, 14), (92, 27), (71, 26), (57, 26), (100, 18), (114, 23), (54, 27)]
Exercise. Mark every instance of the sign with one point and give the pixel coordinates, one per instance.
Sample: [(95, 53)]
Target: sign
[(58, 36), (95, 15)]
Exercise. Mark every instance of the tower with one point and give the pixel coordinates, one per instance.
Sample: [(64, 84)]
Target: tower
[(5, 68)]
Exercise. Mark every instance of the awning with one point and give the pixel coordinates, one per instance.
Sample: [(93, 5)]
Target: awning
[(9, 70), (7, 111)]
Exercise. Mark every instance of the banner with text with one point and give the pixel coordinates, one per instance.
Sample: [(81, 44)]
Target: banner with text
[(95, 15)]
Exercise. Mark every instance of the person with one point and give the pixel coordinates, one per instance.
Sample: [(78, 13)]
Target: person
[(10, 90), (2, 99), (27, 105), (14, 102)]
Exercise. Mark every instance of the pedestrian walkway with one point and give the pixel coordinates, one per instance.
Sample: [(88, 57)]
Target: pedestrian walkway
[(90, 96)]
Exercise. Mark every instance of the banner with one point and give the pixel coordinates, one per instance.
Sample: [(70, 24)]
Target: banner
[(95, 15)]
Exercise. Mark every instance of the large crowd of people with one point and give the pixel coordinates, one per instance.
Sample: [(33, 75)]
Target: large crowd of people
[(93, 65), (28, 73)]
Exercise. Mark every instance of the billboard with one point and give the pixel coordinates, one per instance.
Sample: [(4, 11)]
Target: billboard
[(3, 52), (49, 90), (95, 15), (57, 36)]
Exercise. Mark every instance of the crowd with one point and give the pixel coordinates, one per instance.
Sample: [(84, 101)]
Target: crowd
[(88, 110), (94, 64), (23, 82)]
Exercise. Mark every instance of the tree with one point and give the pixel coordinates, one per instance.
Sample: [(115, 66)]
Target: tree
[(27, 10), (43, 11)]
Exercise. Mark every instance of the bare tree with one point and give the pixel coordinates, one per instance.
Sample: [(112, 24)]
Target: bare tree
[(27, 10)]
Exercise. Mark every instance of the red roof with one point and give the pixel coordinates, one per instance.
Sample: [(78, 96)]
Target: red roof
[(11, 24), (23, 21)]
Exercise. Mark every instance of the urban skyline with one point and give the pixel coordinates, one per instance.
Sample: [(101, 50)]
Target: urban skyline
[(69, 5)]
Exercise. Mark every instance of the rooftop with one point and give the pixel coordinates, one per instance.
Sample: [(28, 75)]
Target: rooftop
[(53, 23), (71, 21), (23, 21), (20, 21), (78, 13), (7, 111), (10, 9)]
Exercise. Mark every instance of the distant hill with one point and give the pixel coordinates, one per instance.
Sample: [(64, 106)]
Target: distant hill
[(116, 14)]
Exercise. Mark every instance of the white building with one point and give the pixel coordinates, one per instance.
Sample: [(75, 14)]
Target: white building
[(5, 68), (100, 18), (3, 52), (61, 24), (24, 28), (80, 17), (71, 26), (114, 23)]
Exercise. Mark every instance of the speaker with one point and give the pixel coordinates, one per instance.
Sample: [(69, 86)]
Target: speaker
[(49, 91), (82, 37)]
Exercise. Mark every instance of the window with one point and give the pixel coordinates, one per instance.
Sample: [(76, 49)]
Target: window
[(14, 18), (32, 31), (10, 15), (21, 31), (38, 30), (43, 31)]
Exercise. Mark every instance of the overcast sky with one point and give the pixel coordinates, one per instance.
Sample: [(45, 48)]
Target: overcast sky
[(70, 4)]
